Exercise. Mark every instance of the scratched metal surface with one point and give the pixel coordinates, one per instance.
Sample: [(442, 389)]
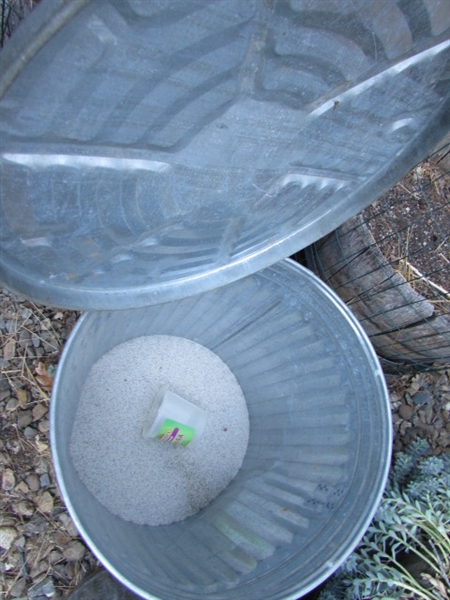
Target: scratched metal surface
[(154, 150)]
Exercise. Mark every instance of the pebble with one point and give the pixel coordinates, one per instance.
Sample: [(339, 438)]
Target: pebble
[(38, 568), (37, 524), (30, 432), (44, 480), (35, 340), (22, 487), (68, 524), (44, 426), (44, 588), (24, 338), (42, 467), (33, 482), (24, 418), (9, 349), (20, 543), (24, 508), (54, 556), (74, 551), (18, 588), (39, 411), (11, 325), (46, 503), (8, 480), (7, 537), (12, 404), (4, 394), (405, 411), (421, 397), (26, 314)]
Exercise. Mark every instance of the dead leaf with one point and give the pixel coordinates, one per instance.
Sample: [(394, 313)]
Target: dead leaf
[(45, 503), (44, 377), (22, 397), (41, 446), (9, 349), (39, 411)]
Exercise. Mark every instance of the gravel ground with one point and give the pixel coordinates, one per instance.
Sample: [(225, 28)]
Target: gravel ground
[(41, 554)]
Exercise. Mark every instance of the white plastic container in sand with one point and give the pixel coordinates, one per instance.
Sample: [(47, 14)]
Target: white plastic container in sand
[(172, 416), (318, 449)]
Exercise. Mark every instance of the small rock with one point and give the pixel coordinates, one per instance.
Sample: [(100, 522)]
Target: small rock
[(44, 588), (68, 524), (7, 537), (45, 503), (8, 480), (43, 467), (39, 411), (24, 508), (33, 482), (22, 487), (18, 588), (24, 418), (74, 551), (38, 524), (20, 543), (421, 397), (26, 314), (35, 340), (50, 345), (30, 432), (44, 426), (9, 349), (44, 480), (60, 572), (12, 404), (4, 395), (55, 556), (46, 324), (405, 411), (24, 338), (61, 538), (38, 568), (11, 325)]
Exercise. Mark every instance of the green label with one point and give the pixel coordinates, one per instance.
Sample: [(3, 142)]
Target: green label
[(173, 432)]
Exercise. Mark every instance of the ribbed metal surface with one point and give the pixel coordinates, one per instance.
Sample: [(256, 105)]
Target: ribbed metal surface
[(318, 453), (153, 150)]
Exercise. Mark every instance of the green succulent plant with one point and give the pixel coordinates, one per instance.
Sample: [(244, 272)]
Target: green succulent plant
[(405, 553)]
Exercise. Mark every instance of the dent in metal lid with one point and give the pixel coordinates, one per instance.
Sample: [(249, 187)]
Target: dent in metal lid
[(156, 149)]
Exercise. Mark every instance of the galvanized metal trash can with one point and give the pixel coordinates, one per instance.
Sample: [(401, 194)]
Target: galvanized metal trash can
[(318, 454)]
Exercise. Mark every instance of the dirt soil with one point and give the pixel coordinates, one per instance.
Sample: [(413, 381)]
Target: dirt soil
[(411, 225)]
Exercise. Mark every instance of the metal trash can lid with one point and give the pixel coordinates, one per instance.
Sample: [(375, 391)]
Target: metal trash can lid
[(152, 150)]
